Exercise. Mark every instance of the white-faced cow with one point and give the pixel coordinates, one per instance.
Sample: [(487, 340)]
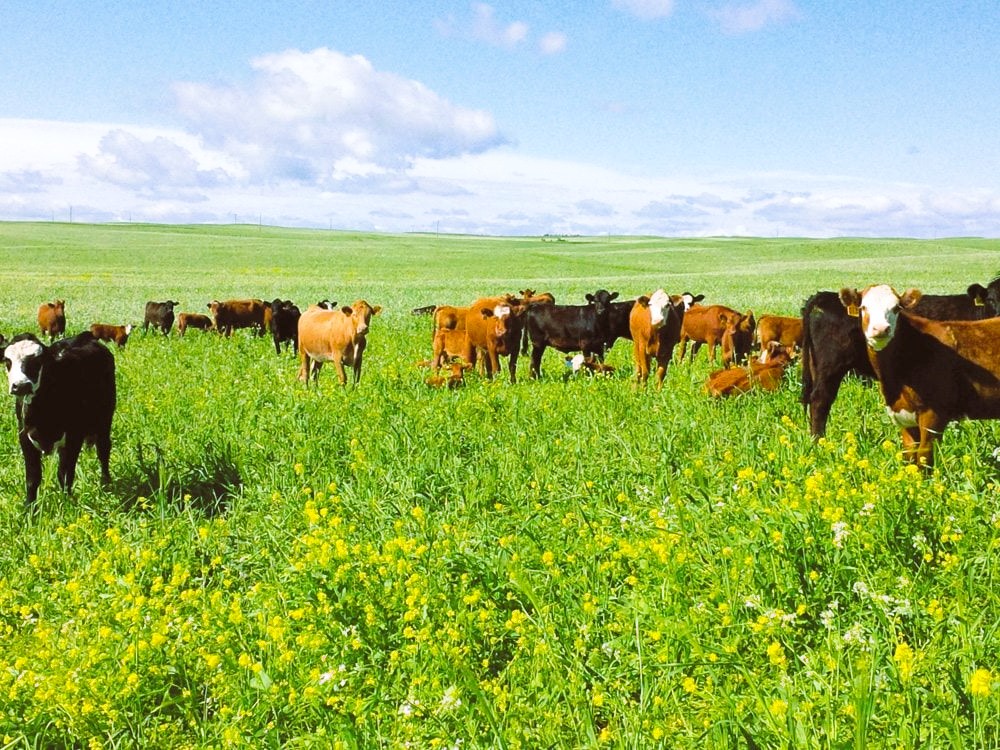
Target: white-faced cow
[(832, 344), (930, 372), (65, 397), (655, 327)]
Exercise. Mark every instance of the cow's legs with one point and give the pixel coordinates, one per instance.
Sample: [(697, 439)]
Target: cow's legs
[(32, 470), (537, 350), (102, 445), (69, 453)]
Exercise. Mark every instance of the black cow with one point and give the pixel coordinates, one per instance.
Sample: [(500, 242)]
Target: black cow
[(65, 397), (569, 328), (159, 315), (285, 324), (833, 346)]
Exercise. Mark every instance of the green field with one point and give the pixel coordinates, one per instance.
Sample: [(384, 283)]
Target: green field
[(544, 564)]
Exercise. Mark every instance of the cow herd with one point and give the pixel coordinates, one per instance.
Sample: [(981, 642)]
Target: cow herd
[(936, 357)]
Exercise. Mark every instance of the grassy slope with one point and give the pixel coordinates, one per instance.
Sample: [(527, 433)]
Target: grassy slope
[(577, 563)]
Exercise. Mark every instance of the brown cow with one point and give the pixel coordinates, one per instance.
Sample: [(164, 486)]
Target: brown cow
[(764, 375), (449, 317), (930, 372), (786, 331), (529, 297), (240, 313), (655, 326), (52, 318), (116, 334), (715, 325), (494, 326), (337, 336), (448, 344), (194, 320)]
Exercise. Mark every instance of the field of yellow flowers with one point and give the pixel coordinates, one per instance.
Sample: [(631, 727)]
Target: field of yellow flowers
[(545, 564)]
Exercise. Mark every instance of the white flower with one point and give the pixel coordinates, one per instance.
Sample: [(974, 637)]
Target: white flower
[(840, 533), (450, 699)]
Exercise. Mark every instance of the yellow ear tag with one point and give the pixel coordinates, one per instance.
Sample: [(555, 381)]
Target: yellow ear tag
[(979, 302), (852, 310)]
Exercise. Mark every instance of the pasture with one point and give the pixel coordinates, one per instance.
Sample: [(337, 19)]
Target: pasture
[(544, 564)]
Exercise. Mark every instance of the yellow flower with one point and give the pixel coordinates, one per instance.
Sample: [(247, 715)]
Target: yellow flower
[(980, 683), (778, 708), (904, 658), (776, 655), (689, 685)]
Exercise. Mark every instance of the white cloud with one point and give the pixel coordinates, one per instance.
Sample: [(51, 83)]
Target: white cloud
[(486, 28), (742, 19), (552, 43), (304, 112), (646, 9)]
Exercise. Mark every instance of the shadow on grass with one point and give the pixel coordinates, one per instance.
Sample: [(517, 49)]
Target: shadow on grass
[(206, 486)]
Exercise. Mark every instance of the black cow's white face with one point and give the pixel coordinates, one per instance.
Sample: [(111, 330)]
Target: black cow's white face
[(23, 360)]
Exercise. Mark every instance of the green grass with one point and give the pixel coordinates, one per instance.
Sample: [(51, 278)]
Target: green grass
[(544, 564)]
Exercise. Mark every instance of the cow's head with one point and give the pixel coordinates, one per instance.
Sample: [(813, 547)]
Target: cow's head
[(992, 297), (327, 304), (24, 358), (601, 301), (362, 313), (878, 308), (690, 300)]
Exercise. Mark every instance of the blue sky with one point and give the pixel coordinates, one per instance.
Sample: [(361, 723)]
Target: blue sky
[(670, 117)]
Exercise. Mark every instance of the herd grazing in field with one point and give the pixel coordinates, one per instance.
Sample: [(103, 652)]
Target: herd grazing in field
[(936, 358)]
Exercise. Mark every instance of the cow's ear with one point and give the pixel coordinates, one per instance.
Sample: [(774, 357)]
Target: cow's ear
[(346, 309), (910, 297), (643, 301), (978, 293), (851, 299), (699, 298), (589, 298), (613, 295), (377, 309), (487, 313)]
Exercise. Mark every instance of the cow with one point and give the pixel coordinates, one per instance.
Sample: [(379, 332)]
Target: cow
[(193, 320), (590, 365), (284, 324), (494, 326), (338, 336), (832, 344), (655, 327), (530, 297), (52, 318), (240, 313), (110, 333), (327, 304), (715, 325), (787, 331), (450, 344), (569, 328), (159, 315), (455, 380), (930, 372), (766, 374), (65, 396), (450, 317)]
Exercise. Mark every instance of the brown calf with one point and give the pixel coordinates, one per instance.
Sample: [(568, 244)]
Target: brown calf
[(116, 334), (455, 380), (241, 313), (655, 326), (194, 320), (715, 325), (786, 331), (52, 318), (764, 375), (338, 336), (930, 372)]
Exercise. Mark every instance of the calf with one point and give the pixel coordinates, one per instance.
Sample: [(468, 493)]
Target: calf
[(787, 331), (717, 325), (569, 328), (449, 344), (655, 327), (52, 318), (455, 380), (240, 313), (284, 324), (193, 320), (116, 334), (159, 315), (493, 326), (930, 372), (450, 317), (832, 344), (590, 365), (766, 375), (65, 397), (338, 336)]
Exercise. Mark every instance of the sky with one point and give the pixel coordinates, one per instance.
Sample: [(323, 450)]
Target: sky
[(641, 117)]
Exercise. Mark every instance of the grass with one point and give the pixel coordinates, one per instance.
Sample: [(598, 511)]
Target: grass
[(544, 564)]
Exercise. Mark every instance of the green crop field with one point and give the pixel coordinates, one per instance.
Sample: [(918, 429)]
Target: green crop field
[(531, 565)]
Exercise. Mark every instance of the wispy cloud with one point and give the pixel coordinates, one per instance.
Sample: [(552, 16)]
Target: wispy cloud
[(485, 27), (744, 18), (646, 9), (552, 43)]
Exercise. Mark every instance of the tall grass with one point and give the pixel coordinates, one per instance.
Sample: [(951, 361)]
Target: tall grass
[(545, 564)]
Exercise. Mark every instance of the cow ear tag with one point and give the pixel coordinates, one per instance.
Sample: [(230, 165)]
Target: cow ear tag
[(852, 310), (979, 302)]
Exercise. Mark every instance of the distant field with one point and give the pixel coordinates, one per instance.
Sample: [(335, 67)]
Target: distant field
[(545, 564)]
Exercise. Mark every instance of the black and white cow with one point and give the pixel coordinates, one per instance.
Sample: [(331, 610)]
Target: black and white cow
[(569, 328), (65, 396)]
